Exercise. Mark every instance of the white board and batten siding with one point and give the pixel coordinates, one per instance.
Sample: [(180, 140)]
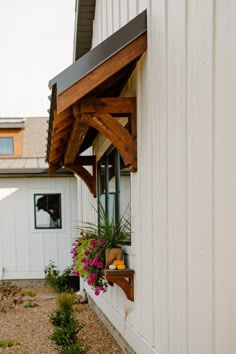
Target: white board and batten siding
[(184, 193), (24, 250)]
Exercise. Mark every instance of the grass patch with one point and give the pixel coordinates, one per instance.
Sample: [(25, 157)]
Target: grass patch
[(29, 293), (29, 305), (8, 343)]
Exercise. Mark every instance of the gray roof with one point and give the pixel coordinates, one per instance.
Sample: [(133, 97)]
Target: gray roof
[(27, 166), (12, 123), (32, 161)]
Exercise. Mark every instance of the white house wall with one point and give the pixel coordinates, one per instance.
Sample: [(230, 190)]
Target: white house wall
[(25, 251), (184, 193)]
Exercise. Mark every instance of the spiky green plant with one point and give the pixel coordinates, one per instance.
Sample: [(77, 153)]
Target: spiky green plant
[(65, 301), (115, 234)]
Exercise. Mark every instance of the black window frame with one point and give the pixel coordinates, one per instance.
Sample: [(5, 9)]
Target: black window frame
[(54, 227)]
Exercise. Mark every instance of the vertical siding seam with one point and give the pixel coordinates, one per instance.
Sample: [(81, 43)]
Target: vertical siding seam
[(213, 169), (112, 16), (186, 174), (119, 17), (150, 112), (167, 177), (107, 34)]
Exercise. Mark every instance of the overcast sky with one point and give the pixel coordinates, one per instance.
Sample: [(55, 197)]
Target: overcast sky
[(36, 39)]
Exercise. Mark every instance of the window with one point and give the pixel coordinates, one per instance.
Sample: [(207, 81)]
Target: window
[(6, 146), (114, 186), (47, 211)]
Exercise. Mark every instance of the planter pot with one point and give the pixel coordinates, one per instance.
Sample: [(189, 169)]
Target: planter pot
[(111, 254), (73, 282)]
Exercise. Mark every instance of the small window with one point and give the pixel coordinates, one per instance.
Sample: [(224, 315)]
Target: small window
[(6, 146), (47, 211)]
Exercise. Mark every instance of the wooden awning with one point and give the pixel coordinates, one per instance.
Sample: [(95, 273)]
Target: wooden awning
[(85, 100)]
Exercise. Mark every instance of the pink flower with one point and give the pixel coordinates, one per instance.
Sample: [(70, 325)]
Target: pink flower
[(85, 267), (95, 261), (97, 292), (89, 282), (101, 242), (86, 252), (91, 263), (93, 244), (100, 265), (93, 276)]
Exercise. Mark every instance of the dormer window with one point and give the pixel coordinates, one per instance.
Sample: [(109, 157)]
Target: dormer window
[(6, 146)]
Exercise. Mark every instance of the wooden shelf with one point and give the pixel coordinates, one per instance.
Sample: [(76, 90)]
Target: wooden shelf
[(123, 278)]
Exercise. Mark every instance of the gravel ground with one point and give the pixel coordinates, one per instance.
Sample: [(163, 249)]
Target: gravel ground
[(30, 327)]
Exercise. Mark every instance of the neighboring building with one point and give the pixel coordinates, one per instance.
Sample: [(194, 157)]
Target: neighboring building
[(179, 67), (37, 212)]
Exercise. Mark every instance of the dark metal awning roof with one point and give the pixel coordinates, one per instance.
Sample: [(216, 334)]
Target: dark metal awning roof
[(101, 73)]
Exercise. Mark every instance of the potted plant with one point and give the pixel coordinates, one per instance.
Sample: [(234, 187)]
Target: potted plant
[(97, 248)]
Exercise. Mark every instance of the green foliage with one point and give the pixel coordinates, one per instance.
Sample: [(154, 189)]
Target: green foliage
[(66, 334), (57, 280), (29, 293), (65, 301), (115, 234), (63, 319), (29, 305), (8, 343), (83, 245), (74, 349)]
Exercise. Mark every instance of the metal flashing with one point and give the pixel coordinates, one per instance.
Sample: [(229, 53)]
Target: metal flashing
[(101, 53)]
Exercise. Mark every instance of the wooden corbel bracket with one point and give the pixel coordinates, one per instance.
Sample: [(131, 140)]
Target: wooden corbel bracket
[(124, 279), (101, 113), (77, 168), (117, 134)]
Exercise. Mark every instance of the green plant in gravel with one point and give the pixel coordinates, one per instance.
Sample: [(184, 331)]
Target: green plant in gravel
[(56, 279), (66, 326), (29, 293), (8, 343), (74, 349), (65, 301), (29, 305)]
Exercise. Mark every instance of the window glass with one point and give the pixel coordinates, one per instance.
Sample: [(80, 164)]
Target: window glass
[(6, 146), (125, 189), (114, 186), (47, 211)]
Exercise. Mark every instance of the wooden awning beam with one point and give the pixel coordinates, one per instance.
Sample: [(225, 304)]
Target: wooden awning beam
[(85, 175), (78, 133), (103, 72), (98, 113)]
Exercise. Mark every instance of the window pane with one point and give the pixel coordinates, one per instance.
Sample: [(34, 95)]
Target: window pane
[(47, 209), (114, 187), (6, 146), (125, 191)]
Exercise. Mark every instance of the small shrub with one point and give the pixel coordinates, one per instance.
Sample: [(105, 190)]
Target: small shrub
[(29, 293), (65, 323), (57, 280), (65, 301), (29, 305), (66, 334), (74, 349)]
